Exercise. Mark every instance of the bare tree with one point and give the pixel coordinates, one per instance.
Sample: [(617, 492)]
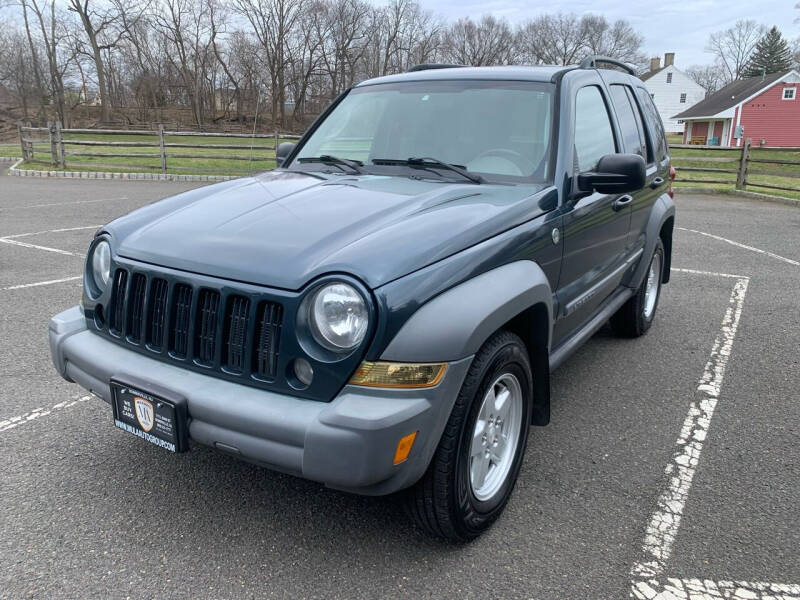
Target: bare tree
[(487, 42), (616, 40), (100, 25), (37, 69), (563, 39), (16, 65), (307, 49), (733, 47), (56, 41), (225, 59), (558, 39), (709, 77), (186, 26), (271, 22)]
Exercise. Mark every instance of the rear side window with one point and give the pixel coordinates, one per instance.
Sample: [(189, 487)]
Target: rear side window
[(594, 137), (630, 122), (657, 137)]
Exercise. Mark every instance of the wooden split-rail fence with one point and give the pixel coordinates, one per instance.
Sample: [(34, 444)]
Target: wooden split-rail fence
[(61, 145), (745, 166)]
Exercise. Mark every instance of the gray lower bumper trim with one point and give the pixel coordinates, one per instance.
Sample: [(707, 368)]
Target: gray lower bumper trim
[(347, 443)]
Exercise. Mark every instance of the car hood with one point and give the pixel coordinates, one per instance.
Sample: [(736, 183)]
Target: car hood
[(283, 228)]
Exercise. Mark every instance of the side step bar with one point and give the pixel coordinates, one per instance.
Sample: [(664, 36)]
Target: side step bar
[(560, 354)]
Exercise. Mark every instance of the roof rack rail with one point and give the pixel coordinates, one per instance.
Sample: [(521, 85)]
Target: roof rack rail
[(590, 62), (429, 66)]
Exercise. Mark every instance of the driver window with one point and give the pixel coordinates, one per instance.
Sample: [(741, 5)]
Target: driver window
[(594, 137)]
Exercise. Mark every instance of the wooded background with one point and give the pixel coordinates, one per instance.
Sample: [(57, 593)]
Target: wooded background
[(275, 64), (202, 63)]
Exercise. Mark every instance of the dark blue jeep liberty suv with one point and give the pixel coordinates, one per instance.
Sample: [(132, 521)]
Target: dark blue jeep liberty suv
[(382, 311)]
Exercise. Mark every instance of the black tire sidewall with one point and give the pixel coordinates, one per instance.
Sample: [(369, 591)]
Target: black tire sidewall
[(475, 514)]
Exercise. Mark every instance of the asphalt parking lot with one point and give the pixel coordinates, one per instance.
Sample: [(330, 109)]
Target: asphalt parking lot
[(671, 467)]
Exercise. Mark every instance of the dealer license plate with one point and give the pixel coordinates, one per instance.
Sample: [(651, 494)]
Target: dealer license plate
[(152, 418)]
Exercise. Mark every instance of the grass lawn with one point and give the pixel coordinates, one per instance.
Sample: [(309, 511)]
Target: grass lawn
[(726, 161), (245, 158), (8, 149)]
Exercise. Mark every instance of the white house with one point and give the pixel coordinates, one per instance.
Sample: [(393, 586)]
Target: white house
[(673, 91)]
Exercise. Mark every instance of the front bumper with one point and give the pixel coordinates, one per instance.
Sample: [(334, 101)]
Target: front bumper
[(348, 443)]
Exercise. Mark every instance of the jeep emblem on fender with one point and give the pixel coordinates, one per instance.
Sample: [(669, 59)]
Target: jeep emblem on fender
[(144, 413)]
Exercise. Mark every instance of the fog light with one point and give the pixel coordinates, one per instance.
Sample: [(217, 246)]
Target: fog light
[(303, 371), (398, 375), (404, 447)]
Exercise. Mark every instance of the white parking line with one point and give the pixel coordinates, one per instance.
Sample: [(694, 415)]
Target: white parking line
[(38, 283), (63, 229), (36, 246), (702, 589), (647, 575), (710, 273), (62, 203), (744, 246), (664, 523), (19, 420)]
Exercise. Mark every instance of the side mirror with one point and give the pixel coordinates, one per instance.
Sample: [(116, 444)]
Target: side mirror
[(615, 174), (283, 150)]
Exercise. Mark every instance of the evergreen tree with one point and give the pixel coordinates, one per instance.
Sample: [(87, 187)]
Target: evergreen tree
[(771, 55)]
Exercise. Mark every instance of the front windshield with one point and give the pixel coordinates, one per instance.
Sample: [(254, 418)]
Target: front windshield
[(500, 130)]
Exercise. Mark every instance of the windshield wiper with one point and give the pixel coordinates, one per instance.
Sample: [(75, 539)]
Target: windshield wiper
[(327, 159), (425, 162)]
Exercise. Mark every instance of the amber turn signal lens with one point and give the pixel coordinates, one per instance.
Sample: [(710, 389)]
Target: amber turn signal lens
[(404, 447), (398, 375)]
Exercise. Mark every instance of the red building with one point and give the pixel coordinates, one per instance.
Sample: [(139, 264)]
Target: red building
[(765, 109)]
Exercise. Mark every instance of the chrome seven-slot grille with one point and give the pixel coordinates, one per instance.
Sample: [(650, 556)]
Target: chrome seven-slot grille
[(209, 327)]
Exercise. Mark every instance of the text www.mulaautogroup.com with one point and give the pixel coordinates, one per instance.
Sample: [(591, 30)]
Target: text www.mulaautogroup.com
[(145, 436)]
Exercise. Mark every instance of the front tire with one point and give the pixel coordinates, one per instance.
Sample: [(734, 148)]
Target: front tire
[(635, 317), (476, 464)]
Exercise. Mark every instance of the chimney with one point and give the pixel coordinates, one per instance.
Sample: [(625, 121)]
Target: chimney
[(669, 59), (655, 63)]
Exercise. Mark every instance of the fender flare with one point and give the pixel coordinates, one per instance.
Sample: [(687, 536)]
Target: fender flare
[(663, 209), (456, 323)]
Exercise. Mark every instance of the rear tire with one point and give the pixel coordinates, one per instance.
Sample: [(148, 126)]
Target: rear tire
[(474, 469), (635, 317)]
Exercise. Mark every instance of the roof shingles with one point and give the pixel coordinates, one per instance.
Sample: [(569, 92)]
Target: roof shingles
[(729, 96)]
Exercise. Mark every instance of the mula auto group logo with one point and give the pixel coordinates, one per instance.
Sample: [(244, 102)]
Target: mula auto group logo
[(144, 413)]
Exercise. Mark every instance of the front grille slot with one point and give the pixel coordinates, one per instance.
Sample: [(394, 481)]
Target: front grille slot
[(181, 318), (136, 311), (158, 313), (236, 320), (116, 315), (265, 357), (206, 326), (225, 332)]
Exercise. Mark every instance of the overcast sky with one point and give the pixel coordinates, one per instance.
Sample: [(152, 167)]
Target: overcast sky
[(680, 26)]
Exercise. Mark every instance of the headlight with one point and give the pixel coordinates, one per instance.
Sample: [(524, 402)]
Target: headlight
[(101, 265), (338, 317)]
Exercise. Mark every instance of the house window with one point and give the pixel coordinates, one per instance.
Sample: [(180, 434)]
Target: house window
[(789, 93), (683, 98), (669, 77)]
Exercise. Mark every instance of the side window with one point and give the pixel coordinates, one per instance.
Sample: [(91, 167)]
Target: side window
[(629, 121), (656, 136), (594, 137)]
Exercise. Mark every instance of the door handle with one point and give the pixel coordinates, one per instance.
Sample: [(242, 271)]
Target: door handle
[(622, 202), (657, 182)]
